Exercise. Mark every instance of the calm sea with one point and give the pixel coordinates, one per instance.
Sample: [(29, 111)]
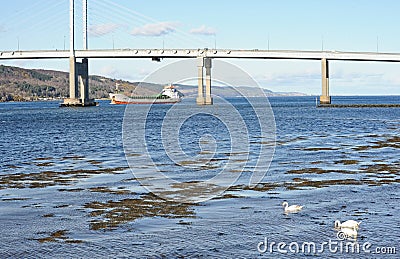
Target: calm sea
[(66, 189)]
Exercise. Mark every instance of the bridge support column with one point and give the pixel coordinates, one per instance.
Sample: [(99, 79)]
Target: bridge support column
[(79, 75), (83, 78), (73, 84), (325, 98), (204, 97), (200, 100), (207, 64)]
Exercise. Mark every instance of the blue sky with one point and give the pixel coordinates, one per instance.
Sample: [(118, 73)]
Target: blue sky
[(352, 25)]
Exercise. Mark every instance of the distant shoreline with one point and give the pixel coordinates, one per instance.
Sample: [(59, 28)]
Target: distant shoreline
[(277, 96)]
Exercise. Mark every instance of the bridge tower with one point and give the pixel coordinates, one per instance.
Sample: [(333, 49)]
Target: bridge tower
[(78, 71)]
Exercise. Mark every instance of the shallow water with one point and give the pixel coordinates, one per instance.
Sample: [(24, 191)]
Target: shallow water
[(66, 189)]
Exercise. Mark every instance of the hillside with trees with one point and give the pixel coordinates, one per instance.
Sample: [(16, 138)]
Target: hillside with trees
[(19, 84)]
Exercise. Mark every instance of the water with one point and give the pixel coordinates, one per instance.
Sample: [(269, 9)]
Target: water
[(66, 189)]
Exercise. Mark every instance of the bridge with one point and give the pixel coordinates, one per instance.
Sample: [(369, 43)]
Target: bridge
[(206, 53), (79, 70), (204, 57)]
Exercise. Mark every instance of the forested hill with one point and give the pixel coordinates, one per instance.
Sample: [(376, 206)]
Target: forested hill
[(19, 84)]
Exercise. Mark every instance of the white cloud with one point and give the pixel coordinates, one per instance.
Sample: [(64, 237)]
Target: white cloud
[(116, 72), (109, 71), (290, 78), (2, 28), (341, 82), (358, 78), (393, 79), (155, 29), (203, 30), (99, 30)]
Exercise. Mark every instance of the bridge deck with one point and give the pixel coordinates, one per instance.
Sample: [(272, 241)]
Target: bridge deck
[(211, 53)]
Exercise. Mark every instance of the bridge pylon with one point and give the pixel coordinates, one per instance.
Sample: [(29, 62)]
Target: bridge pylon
[(78, 71)]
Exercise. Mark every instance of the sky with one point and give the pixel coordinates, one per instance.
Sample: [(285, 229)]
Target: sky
[(337, 25)]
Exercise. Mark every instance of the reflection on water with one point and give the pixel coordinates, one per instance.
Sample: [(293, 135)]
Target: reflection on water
[(66, 189)]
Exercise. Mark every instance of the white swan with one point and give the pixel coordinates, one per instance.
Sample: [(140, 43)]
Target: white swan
[(347, 233), (291, 208), (350, 224)]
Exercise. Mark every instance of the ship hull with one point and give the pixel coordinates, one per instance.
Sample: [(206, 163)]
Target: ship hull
[(123, 99)]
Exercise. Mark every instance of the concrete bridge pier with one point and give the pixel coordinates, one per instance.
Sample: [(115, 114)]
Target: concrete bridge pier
[(204, 93), (200, 100), (73, 85), (325, 98), (78, 76), (83, 79), (207, 63)]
